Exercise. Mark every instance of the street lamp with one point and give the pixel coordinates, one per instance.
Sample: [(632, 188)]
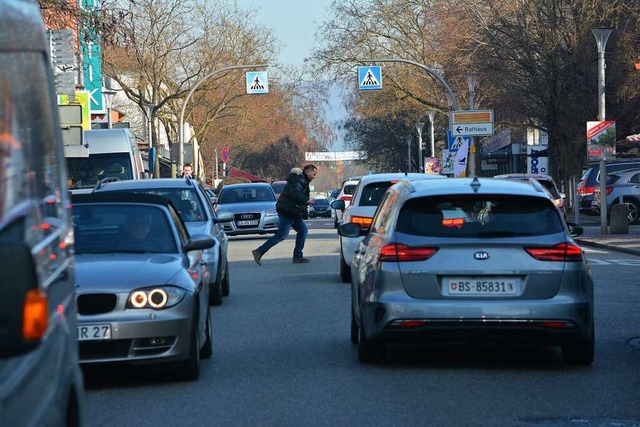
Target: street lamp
[(408, 154), (602, 35), (432, 114), (109, 94), (420, 162), (471, 82), (148, 111)]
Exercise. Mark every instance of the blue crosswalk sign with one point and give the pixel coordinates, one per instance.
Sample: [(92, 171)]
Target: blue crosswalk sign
[(257, 82), (369, 78)]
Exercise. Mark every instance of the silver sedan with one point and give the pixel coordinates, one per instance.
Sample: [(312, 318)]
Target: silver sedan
[(253, 206), (462, 260)]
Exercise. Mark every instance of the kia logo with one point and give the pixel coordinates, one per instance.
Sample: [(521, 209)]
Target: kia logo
[(482, 255), (246, 216)]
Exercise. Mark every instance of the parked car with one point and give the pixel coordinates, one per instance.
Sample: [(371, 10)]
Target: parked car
[(625, 184), (320, 208), (346, 193), (591, 179), (547, 182), (363, 205), (432, 269), (194, 207), (142, 293), (278, 186), (40, 380), (253, 206)]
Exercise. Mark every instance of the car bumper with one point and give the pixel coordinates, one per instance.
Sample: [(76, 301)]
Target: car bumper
[(266, 225), (553, 321), (140, 336)]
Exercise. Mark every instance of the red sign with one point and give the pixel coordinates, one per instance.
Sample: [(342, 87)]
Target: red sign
[(595, 128), (225, 154)]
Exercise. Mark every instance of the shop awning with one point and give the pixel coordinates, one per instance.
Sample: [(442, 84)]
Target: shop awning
[(243, 174)]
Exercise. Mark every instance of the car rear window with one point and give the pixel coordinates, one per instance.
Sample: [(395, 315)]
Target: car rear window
[(550, 187), (349, 189), (479, 216), (372, 193)]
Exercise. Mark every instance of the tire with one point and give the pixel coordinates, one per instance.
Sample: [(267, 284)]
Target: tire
[(215, 293), (207, 349), (580, 352), (345, 270), (189, 370), (354, 328), (370, 351), (225, 281)]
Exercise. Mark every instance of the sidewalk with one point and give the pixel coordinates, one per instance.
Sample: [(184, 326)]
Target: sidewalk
[(627, 243)]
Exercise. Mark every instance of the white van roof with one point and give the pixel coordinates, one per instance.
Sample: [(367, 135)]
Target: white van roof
[(102, 141)]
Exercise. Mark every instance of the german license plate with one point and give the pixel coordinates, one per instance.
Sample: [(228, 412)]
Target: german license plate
[(255, 222), (484, 286), (94, 332)]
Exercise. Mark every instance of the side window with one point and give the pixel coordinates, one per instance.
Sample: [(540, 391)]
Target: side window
[(383, 219), (635, 179)]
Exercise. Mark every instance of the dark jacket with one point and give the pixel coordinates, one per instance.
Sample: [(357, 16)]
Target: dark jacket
[(295, 196)]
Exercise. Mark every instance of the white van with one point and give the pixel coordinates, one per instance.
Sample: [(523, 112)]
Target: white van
[(110, 154), (40, 379)]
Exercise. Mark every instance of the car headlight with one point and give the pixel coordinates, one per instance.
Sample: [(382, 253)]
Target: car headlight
[(158, 298), (271, 212)]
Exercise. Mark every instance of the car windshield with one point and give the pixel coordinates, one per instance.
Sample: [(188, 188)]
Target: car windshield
[(278, 187), (479, 216), (321, 202), (101, 228), (372, 193), (86, 172), (185, 200), (246, 195)]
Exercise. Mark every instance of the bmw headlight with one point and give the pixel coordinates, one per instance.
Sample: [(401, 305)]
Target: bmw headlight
[(158, 298), (271, 212)]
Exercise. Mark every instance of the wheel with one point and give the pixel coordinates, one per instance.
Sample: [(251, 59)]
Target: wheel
[(633, 211), (225, 281), (207, 349), (345, 270), (215, 290), (189, 370), (354, 328), (580, 352), (370, 351)]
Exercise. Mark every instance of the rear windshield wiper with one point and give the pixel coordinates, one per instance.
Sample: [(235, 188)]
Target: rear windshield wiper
[(503, 233)]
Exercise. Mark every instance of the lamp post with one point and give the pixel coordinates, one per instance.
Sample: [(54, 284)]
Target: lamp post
[(420, 156), (602, 35), (108, 94), (432, 115), (188, 97), (148, 111), (471, 82), (408, 154)]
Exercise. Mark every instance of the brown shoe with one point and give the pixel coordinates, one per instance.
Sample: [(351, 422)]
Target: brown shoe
[(257, 256), (301, 260)]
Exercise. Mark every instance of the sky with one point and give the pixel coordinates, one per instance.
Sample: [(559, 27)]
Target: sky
[(294, 23)]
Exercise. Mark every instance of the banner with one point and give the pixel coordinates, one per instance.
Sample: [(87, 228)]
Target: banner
[(460, 164)]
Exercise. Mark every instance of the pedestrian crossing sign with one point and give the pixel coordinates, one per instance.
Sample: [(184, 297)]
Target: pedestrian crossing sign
[(369, 78), (257, 82)]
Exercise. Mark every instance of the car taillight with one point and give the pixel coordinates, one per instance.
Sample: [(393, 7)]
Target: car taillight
[(559, 252), (398, 252), (585, 191), (346, 198), (363, 221)]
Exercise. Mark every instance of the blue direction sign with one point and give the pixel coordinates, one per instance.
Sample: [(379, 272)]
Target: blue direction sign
[(257, 82), (369, 78)]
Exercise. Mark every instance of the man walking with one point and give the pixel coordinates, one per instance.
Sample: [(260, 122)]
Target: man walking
[(292, 208)]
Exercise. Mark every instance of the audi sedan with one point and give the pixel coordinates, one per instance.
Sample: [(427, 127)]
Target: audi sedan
[(253, 206), (142, 294), (464, 260)]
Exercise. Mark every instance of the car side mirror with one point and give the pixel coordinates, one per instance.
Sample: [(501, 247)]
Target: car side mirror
[(351, 229), (338, 205), (17, 293), (575, 230), (199, 242)]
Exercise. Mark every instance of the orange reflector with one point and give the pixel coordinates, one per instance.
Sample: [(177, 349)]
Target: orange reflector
[(556, 325), (35, 315), (410, 323)]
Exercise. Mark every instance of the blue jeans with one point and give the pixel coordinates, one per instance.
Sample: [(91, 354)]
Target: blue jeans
[(284, 227)]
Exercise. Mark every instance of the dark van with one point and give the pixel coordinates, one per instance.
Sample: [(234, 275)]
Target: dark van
[(591, 179), (40, 379)]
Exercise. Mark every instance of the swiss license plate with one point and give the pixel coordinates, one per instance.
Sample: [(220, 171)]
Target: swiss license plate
[(255, 222), (94, 332), (483, 286)]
